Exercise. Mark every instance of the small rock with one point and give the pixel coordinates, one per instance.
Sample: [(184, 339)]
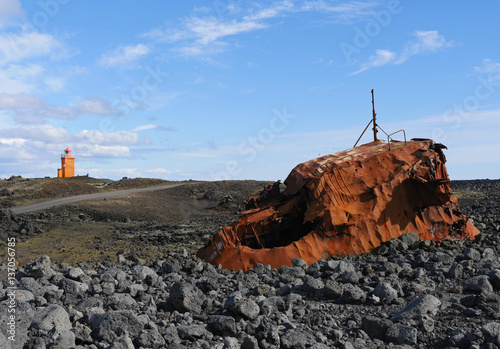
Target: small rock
[(104, 325), (478, 284), (425, 305), (472, 254), (495, 278), (186, 297), (222, 325), (140, 272), (193, 332), (52, 317), (401, 334), (332, 290), (242, 306), (75, 273), (38, 267), (297, 339), (385, 292), (375, 327), (409, 238), (353, 294), (491, 332), (149, 339)]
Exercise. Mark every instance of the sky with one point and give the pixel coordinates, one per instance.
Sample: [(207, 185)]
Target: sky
[(237, 89)]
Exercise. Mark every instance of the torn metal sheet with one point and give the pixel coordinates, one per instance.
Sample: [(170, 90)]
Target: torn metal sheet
[(345, 203)]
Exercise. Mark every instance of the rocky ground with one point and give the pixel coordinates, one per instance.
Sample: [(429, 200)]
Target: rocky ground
[(405, 294)]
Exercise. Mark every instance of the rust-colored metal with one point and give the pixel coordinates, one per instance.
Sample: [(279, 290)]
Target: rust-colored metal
[(345, 203)]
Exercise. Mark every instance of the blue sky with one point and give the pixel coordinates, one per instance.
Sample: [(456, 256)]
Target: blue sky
[(239, 89)]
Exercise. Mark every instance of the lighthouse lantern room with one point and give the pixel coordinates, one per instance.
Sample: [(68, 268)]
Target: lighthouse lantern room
[(67, 164)]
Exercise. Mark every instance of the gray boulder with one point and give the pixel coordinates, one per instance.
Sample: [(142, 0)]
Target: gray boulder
[(478, 284), (491, 332), (140, 272), (222, 325), (242, 306), (332, 290), (121, 301), (353, 294), (424, 305), (72, 287), (53, 317), (401, 334), (38, 267), (194, 332), (105, 325), (149, 339), (297, 339), (409, 238), (185, 297), (495, 278), (30, 284), (375, 327), (17, 326), (385, 292)]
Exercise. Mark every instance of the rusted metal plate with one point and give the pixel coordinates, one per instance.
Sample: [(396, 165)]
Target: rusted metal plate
[(349, 202)]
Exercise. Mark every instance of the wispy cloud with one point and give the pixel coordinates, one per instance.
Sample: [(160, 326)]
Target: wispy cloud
[(427, 42), (381, 57), (144, 127), (18, 47), (106, 138), (206, 35), (97, 106), (28, 109), (124, 56), (15, 101), (491, 68)]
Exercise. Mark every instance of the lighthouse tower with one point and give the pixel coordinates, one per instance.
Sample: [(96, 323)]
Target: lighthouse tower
[(67, 164)]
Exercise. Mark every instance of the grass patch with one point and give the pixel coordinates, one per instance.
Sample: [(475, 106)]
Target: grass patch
[(69, 245)]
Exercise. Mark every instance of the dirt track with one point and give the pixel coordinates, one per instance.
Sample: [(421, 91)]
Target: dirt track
[(96, 196)]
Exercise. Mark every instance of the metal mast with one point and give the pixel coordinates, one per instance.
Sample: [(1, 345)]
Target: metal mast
[(374, 119)]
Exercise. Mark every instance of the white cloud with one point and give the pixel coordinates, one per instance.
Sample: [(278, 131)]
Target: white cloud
[(209, 30), (97, 106), (14, 142), (159, 170), (124, 56), (491, 68), (427, 41), (16, 78), (45, 133), (28, 109), (381, 57), (202, 35), (343, 12), (21, 100), (107, 138), (87, 150), (144, 127), (18, 47), (55, 83)]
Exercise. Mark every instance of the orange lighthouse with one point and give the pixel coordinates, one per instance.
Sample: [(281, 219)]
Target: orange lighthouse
[(67, 164)]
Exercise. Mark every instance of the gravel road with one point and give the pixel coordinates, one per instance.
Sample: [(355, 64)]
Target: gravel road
[(96, 196)]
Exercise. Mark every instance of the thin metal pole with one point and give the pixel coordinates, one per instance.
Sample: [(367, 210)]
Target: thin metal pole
[(374, 119)]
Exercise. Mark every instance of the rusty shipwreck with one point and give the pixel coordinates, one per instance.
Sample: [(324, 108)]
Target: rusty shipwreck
[(349, 202)]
